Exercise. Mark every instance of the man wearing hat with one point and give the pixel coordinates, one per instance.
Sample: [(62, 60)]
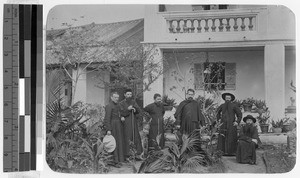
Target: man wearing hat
[(230, 115), (247, 142)]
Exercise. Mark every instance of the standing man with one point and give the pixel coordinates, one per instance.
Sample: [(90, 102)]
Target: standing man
[(248, 142), (129, 110), (156, 111), (113, 125), (188, 114), (230, 115)]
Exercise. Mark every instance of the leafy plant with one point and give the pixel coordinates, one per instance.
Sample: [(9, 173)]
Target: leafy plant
[(263, 116), (277, 124), (260, 104), (209, 108), (185, 157), (248, 101), (168, 101)]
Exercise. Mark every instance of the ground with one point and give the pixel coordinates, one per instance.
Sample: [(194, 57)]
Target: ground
[(231, 166)]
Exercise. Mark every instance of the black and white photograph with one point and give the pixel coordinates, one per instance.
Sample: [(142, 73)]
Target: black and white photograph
[(170, 88)]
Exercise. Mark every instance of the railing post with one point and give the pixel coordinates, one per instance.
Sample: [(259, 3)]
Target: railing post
[(206, 25), (185, 28), (213, 27), (178, 26), (243, 26), (171, 30), (235, 26), (199, 26), (250, 24), (221, 25), (228, 25), (192, 25)]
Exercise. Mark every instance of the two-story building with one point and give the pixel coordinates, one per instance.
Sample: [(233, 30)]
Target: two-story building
[(256, 45)]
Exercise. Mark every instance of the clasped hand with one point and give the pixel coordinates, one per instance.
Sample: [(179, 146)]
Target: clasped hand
[(131, 108)]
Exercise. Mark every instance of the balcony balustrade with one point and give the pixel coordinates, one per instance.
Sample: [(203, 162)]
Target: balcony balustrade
[(215, 21)]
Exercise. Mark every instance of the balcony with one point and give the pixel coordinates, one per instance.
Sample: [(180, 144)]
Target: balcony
[(215, 21)]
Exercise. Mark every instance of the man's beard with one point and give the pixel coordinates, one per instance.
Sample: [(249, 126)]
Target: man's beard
[(248, 129), (158, 103), (190, 98), (129, 98)]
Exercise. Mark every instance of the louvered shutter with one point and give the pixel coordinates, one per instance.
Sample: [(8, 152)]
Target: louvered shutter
[(198, 76), (230, 76)]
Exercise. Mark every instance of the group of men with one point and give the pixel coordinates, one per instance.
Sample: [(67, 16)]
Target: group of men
[(121, 122)]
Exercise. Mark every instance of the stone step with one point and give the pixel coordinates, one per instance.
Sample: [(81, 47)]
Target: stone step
[(273, 138)]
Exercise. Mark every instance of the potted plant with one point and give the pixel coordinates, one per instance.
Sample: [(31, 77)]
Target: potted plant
[(287, 124), (169, 124), (277, 126), (168, 102), (239, 103), (263, 119), (247, 104)]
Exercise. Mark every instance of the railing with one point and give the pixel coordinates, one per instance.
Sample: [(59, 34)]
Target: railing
[(215, 21)]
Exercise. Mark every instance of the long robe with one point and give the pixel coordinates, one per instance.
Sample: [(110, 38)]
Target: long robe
[(246, 147), (227, 113), (131, 131), (188, 115), (112, 122), (156, 126)]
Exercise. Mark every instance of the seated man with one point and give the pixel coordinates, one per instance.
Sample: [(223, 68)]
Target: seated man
[(248, 141)]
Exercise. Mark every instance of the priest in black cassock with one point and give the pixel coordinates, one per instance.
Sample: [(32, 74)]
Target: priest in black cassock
[(188, 114), (156, 111), (129, 110), (230, 115), (113, 125), (248, 141)]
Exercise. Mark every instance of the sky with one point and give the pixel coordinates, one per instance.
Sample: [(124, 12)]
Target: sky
[(77, 15)]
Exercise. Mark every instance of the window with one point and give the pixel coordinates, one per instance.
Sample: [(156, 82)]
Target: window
[(215, 75)]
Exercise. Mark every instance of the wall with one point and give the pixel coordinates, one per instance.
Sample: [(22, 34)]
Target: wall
[(249, 68), (96, 95), (290, 74)]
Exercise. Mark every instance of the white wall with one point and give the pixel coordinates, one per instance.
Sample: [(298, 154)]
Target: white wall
[(249, 68), (96, 95)]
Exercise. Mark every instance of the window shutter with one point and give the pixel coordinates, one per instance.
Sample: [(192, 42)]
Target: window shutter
[(198, 76), (230, 76)]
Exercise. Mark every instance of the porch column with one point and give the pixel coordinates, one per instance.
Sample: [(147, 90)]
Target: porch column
[(274, 79), (81, 86), (157, 85)]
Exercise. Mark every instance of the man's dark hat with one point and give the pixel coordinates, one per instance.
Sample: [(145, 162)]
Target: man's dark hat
[(249, 117), (127, 90), (232, 96)]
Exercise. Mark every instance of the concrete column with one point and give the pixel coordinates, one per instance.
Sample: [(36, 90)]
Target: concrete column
[(274, 79), (81, 86), (157, 85)]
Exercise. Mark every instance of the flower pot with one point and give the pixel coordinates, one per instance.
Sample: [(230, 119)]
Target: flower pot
[(286, 128), (247, 107), (277, 130), (168, 131), (264, 128)]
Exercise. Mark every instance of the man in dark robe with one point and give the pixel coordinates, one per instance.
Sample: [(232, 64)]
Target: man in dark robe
[(113, 125), (248, 141), (188, 114), (230, 115), (129, 110), (156, 111)]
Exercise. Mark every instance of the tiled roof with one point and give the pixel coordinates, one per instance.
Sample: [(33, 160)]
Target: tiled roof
[(127, 32)]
